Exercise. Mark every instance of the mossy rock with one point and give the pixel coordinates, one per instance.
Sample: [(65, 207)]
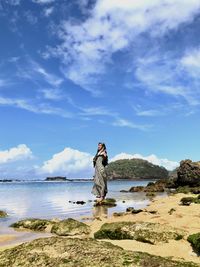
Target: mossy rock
[(70, 227), (195, 241), (147, 232), (3, 214), (109, 202), (186, 201), (187, 189), (33, 224), (71, 252)]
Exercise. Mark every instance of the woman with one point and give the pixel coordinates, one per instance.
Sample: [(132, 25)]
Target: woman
[(100, 183)]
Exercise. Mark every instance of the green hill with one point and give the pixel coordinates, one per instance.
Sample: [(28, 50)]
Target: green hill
[(135, 169)]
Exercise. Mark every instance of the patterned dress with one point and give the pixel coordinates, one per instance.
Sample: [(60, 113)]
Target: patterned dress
[(100, 182)]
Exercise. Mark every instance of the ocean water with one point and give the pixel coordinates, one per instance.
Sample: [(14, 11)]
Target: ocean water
[(51, 200)]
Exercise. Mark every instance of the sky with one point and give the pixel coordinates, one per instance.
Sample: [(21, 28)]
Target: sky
[(77, 72)]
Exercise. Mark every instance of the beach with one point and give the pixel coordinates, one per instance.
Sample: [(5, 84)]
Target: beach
[(186, 218)]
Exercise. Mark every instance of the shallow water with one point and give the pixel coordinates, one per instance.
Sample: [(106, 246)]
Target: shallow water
[(51, 200)]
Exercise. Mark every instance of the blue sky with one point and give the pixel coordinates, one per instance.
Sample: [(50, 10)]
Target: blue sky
[(73, 73)]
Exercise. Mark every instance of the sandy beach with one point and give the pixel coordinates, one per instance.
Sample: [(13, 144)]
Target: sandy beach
[(186, 218)]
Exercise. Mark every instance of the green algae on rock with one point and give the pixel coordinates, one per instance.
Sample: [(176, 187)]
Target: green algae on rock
[(33, 224), (195, 241), (109, 202), (64, 227), (70, 227), (3, 214), (71, 252), (186, 201), (147, 232)]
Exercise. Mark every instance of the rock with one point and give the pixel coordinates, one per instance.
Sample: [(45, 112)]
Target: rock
[(158, 186), (186, 201), (137, 189), (3, 214), (71, 252), (150, 194), (195, 241), (70, 227), (124, 191), (80, 202), (64, 227), (33, 224), (118, 214), (133, 210), (147, 232), (188, 173), (172, 210), (110, 202)]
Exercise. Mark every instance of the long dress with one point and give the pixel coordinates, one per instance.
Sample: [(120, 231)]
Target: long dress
[(100, 182)]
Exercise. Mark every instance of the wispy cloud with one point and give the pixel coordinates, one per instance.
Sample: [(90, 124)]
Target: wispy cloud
[(120, 122), (51, 94), (39, 108), (43, 2), (48, 11), (34, 71), (87, 46), (164, 74)]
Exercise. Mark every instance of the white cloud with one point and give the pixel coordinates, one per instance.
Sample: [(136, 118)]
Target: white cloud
[(41, 108), (168, 164), (34, 72), (126, 123), (14, 2), (111, 27), (191, 63), (51, 94), (48, 11), (20, 152), (42, 2), (70, 162), (150, 71)]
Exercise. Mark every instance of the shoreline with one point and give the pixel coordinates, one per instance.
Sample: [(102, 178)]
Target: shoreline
[(186, 218)]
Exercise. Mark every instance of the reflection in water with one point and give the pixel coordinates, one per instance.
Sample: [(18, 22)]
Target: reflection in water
[(100, 211)]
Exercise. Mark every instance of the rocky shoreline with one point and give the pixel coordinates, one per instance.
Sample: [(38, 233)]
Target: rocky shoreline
[(166, 233)]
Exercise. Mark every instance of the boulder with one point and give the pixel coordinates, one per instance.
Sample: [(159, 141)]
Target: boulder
[(64, 227), (3, 214), (195, 241), (33, 224), (188, 173), (147, 232), (70, 227), (70, 252)]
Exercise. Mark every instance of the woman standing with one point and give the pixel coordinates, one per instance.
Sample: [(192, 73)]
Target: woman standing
[(100, 182)]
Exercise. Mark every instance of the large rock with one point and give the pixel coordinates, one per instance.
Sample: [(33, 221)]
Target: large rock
[(147, 232), (195, 241), (68, 252), (188, 173), (3, 214), (158, 186), (64, 227), (70, 227), (33, 224)]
